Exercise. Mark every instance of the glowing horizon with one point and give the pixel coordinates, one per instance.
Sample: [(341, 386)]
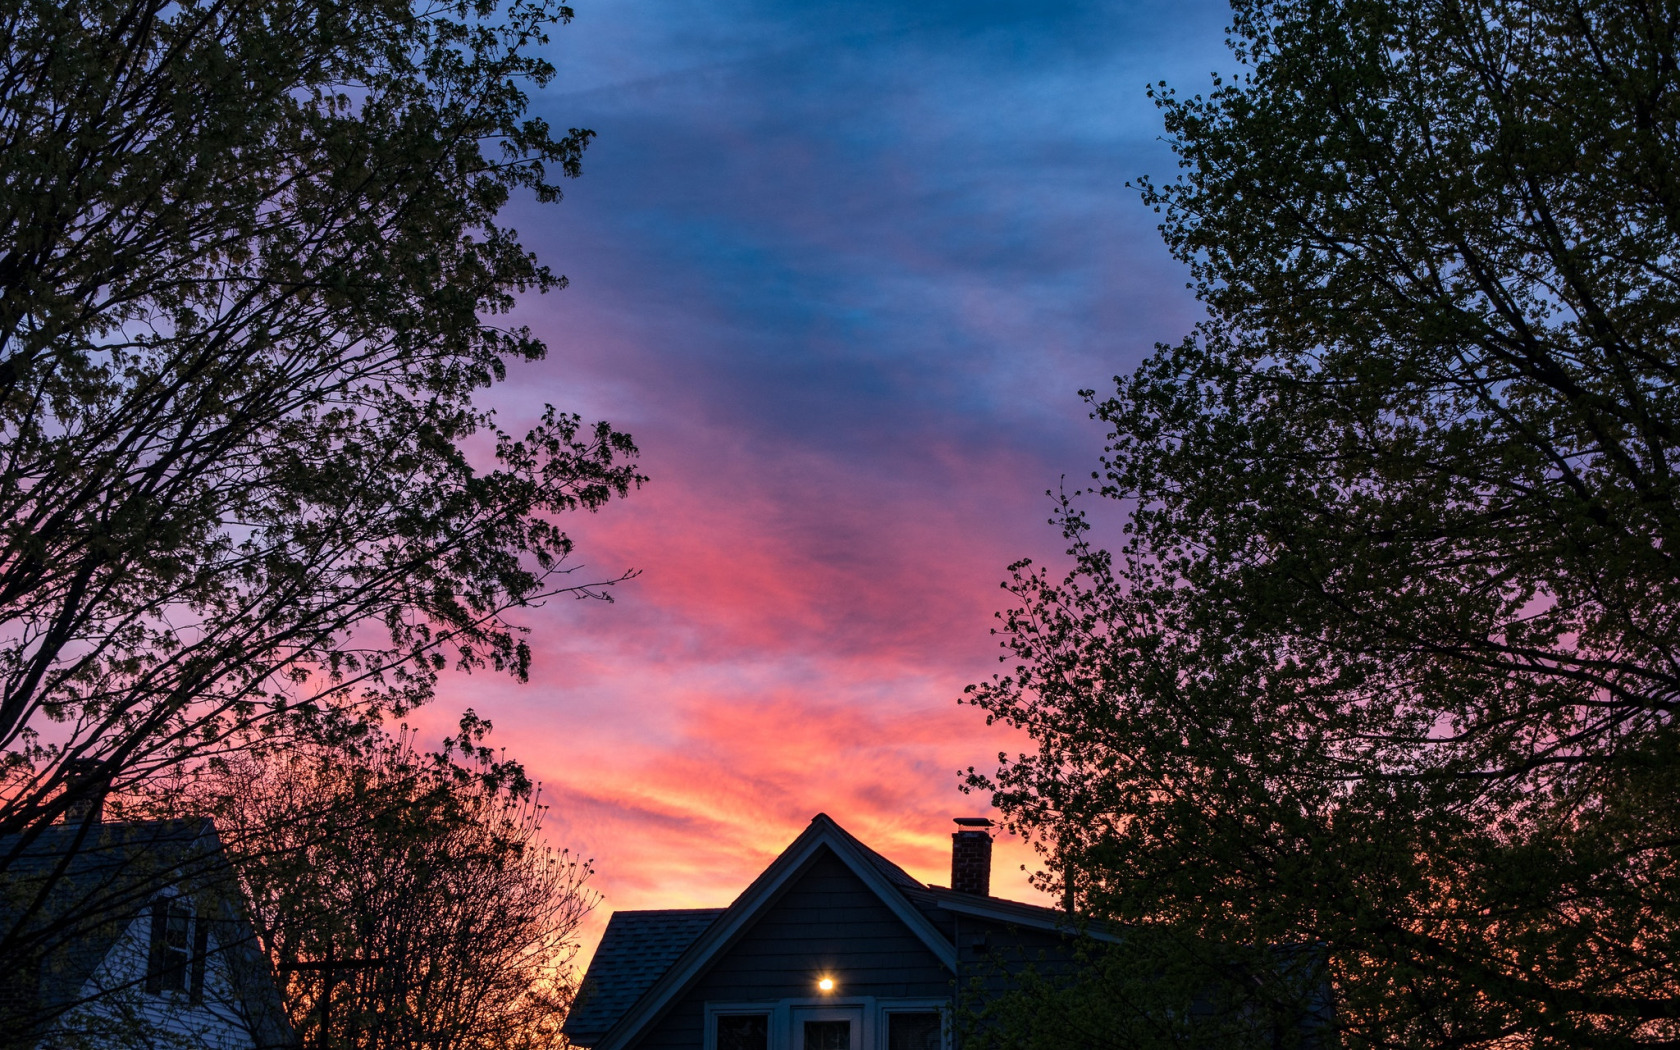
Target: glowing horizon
[(841, 273)]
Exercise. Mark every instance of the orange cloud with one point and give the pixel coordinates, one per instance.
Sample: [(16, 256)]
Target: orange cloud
[(783, 653)]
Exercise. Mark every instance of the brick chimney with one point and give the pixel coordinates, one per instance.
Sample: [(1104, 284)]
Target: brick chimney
[(971, 857), (86, 783)]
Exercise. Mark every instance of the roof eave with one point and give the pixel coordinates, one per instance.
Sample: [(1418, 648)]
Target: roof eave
[(1015, 914), (823, 832)]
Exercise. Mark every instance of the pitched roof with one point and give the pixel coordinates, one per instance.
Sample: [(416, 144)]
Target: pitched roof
[(892, 872), (68, 892), (614, 1014), (1014, 913), (648, 959), (638, 947)]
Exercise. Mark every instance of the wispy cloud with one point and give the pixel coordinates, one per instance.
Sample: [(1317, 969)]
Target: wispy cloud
[(841, 269)]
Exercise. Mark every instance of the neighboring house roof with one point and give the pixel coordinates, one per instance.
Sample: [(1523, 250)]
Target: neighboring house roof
[(610, 1015), (637, 948), (69, 892)]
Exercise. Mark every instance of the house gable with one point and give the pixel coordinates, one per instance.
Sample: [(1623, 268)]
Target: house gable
[(833, 945), (842, 866), (828, 922), (98, 883), (116, 1007)]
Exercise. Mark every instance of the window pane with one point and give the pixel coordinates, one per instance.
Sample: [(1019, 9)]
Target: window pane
[(913, 1032), (828, 1035), (175, 929), (166, 966), (744, 1032)]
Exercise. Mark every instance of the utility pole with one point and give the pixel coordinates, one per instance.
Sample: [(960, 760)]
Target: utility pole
[(329, 968)]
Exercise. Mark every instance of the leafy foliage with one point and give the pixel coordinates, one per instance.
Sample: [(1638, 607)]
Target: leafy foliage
[(415, 890), (1388, 657), (1152, 990), (250, 267)]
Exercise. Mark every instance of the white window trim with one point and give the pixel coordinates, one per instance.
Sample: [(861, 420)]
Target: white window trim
[(914, 1006), (194, 994), (781, 1013), (169, 898)]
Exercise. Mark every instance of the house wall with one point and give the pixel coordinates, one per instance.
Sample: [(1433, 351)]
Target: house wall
[(119, 1011), (826, 923), (990, 954)]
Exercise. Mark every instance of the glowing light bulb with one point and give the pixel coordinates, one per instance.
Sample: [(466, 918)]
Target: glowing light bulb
[(826, 984)]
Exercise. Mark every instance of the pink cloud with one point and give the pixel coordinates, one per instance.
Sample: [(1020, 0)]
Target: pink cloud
[(796, 643), (690, 824)]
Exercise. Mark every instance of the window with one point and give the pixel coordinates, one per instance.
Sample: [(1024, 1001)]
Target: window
[(166, 966), (743, 1032), (179, 944), (828, 1035), (914, 1031), (829, 1022)]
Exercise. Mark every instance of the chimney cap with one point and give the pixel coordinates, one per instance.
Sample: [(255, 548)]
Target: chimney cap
[(973, 822)]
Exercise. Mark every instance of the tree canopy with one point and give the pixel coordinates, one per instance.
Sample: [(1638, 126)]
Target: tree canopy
[(251, 273), (1387, 658), (407, 899)]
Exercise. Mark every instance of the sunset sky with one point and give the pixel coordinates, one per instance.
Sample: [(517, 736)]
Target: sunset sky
[(840, 269)]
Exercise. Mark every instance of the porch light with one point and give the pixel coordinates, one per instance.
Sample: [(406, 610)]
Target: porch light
[(826, 984)]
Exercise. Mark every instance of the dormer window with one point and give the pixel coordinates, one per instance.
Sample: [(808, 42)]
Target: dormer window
[(179, 940)]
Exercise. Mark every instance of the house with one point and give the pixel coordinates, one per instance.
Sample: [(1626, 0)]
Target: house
[(833, 947), (130, 934)]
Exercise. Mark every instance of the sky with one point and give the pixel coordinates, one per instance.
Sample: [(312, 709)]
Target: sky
[(841, 269)]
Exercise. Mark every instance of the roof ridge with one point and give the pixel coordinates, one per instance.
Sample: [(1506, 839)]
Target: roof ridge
[(893, 872), (884, 878)]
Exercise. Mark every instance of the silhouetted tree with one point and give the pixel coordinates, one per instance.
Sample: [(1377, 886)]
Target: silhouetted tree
[(407, 899), (1152, 988), (250, 267), (1387, 660)]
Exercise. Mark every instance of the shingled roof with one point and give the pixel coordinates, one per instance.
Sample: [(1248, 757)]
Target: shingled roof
[(638, 947), (68, 892), (643, 954), (647, 960)]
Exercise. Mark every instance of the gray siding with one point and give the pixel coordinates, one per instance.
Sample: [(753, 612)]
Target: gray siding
[(990, 953), (827, 921)]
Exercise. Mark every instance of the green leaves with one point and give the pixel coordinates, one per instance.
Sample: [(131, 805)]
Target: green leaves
[(1392, 633), (249, 254), (420, 881)]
